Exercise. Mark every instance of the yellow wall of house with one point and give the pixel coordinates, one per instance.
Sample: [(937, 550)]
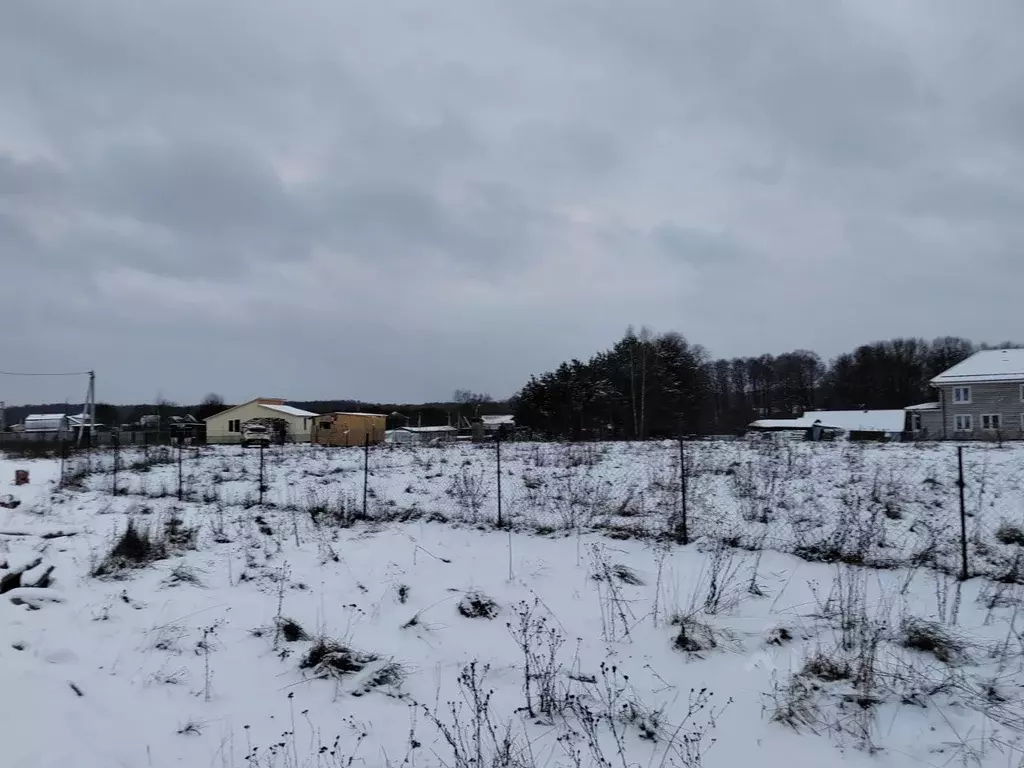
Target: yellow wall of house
[(217, 427), (330, 429)]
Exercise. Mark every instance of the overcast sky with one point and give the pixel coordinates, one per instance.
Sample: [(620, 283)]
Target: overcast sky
[(390, 200)]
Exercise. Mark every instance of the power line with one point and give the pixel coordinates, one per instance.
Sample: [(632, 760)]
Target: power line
[(18, 373)]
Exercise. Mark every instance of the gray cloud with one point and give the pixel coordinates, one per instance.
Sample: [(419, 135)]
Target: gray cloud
[(389, 202)]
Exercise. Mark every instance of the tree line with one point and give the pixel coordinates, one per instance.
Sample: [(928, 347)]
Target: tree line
[(660, 385), (649, 385)]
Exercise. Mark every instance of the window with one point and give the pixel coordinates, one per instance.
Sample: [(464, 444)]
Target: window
[(963, 422), (961, 394), (915, 422), (325, 425), (234, 426), (990, 421)]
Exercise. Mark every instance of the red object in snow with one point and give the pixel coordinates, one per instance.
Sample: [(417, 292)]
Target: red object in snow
[(21, 477)]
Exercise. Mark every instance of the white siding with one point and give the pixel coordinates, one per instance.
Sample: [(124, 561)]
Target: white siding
[(217, 427)]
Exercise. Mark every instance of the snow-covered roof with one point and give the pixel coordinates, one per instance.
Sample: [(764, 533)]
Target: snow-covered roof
[(274, 404), (998, 365), (497, 419), (417, 430), (923, 407), (289, 410), (354, 413), (49, 422), (43, 417), (46, 422), (40, 417), (848, 421)]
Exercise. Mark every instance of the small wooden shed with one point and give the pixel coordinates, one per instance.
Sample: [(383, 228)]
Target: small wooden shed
[(348, 429)]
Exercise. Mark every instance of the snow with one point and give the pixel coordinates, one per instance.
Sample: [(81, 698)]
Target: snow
[(288, 409), (426, 430), (849, 421), (990, 365), (923, 407), (180, 663)]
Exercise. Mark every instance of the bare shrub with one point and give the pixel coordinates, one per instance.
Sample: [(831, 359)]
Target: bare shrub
[(696, 636), (469, 489), (473, 734), (291, 631), (622, 573), (616, 613), (779, 636), (476, 605), (136, 547), (934, 639), (539, 644), (827, 668), (330, 658), (1008, 533)]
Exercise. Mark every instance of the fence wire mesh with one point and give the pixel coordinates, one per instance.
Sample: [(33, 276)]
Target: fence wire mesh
[(884, 506)]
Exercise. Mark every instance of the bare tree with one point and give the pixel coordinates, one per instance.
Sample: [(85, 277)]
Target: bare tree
[(211, 404), (467, 397)]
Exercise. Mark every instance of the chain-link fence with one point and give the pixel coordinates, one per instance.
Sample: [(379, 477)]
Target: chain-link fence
[(895, 505)]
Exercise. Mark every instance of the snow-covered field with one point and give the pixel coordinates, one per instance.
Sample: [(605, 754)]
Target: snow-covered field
[(815, 618)]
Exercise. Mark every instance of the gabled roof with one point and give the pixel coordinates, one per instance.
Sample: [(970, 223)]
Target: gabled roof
[(989, 365), (923, 407), (848, 421), (270, 405)]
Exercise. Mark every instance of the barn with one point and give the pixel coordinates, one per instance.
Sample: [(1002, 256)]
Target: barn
[(342, 429), (856, 425)]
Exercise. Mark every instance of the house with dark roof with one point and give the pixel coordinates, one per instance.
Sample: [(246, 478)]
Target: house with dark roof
[(981, 398)]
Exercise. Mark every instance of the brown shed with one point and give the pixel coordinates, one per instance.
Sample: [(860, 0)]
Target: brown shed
[(342, 429)]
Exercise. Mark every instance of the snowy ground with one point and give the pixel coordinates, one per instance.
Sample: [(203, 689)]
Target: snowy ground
[(190, 644)]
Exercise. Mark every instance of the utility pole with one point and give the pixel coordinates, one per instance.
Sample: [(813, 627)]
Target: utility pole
[(92, 407)]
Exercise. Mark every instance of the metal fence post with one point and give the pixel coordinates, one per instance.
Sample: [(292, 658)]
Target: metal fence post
[(116, 444), (497, 451), (366, 473), (964, 571), (181, 491), (262, 487), (684, 532)]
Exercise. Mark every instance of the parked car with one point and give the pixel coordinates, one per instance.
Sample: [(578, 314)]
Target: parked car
[(254, 432)]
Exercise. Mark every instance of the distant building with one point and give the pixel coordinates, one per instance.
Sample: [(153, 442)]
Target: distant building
[(499, 422), (857, 425), (226, 426), (346, 429), (421, 435), (49, 423)]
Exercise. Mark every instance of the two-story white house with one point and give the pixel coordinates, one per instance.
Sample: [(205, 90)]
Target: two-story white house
[(981, 398)]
